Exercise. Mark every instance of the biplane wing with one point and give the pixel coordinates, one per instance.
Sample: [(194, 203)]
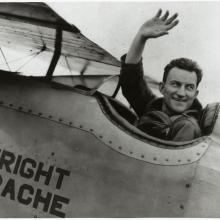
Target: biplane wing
[(35, 26), (74, 152)]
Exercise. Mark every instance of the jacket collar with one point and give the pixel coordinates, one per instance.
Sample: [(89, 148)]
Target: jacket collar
[(156, 105)]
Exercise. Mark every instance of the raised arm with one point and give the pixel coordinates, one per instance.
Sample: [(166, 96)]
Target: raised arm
[(153, 28)]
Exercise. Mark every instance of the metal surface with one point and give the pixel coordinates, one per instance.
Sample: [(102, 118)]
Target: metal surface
[(112, 136), (60, 129), (102, 183), (205, 188)]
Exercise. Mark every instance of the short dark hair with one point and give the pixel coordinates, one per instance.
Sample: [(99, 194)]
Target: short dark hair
[(186, 64)]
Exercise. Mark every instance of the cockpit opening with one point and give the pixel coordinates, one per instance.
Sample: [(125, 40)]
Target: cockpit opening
[(124, 118)]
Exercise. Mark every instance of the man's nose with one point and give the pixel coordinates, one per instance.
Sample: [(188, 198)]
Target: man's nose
[(181, 91)]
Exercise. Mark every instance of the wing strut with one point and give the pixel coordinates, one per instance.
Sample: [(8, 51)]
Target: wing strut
[(57, 53), (5, 59)]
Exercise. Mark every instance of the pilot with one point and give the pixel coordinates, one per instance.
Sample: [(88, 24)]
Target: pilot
[(174, 116)]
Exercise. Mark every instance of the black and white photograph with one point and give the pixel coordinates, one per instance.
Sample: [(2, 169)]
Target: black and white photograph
[(109, 109)]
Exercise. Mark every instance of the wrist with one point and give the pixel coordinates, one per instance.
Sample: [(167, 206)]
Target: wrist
[(142, 37)]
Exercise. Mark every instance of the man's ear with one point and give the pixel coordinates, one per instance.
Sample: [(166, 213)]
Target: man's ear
[(196, 94), (161, 87)]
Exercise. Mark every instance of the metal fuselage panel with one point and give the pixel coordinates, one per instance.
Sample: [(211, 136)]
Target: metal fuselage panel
[(52, 166)]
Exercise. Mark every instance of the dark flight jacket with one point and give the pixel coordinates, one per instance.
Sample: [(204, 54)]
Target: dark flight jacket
[(148, 106)]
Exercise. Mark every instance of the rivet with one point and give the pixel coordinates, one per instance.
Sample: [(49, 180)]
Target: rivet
[(60, 119), (167, 159), (91, 130), (1, 102), (142, 156), (131, 152), (29, 111), (50, 116), (189, 160), (20, 108), (119, 147), (154, 158), (181, 206), (100, 136), (10, 105), (110, 142), (187, 185), (70, 123), (81, 126), (40, 113), (179, 160), (198, 154)]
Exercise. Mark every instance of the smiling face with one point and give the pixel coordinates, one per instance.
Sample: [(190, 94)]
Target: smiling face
[(179, 90)]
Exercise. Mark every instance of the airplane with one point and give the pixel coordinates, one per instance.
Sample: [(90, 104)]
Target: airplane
[(68, 149)]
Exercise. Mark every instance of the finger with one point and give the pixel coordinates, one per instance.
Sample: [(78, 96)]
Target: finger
[(165, 16), (173, 24), (159, 13), (170, 20)]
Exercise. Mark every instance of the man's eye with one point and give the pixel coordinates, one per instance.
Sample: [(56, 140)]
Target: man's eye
[(190, 87), (175, 84)]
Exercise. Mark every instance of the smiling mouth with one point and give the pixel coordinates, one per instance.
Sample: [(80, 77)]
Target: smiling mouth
[(179, 100)]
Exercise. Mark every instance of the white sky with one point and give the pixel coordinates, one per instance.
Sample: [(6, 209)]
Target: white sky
[(113, 24)]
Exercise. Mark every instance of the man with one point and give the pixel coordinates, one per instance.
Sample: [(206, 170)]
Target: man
[(174, 116)]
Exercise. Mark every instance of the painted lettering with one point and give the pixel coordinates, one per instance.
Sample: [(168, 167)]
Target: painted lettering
[(27, 172), (29, 195), (41, 172), (62, 173), (40, 199), (17, 164), (57, 205), (29, 189), (9, 189), (7, 159)]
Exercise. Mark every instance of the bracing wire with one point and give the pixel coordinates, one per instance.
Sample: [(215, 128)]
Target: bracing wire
[(68, 65), (33, 55), (21, 58), (27, 62), (5, 59), (37, 53), (69, 68)]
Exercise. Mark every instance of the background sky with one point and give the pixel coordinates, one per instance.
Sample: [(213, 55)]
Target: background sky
[(113, 25)]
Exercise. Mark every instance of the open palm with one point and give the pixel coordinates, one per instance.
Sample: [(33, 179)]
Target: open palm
[(158, 25)]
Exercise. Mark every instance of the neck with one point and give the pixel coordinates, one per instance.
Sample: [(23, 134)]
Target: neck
[(167, 110)]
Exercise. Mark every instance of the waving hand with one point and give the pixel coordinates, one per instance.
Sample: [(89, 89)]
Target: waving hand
[(155, 27), (158, 25)]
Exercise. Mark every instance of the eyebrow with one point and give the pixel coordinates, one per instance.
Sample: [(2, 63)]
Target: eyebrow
[(178, 82)]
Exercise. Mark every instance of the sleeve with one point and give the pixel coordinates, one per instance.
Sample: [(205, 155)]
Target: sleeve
[(134, 86)]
